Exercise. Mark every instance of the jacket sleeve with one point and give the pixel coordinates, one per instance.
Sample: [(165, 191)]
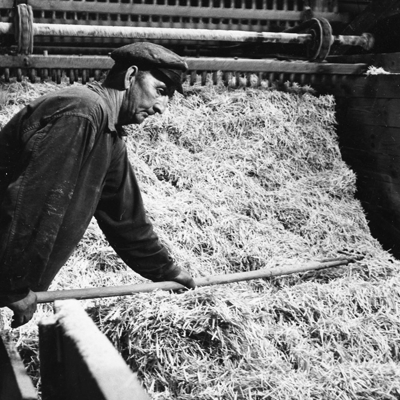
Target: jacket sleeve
[(122, 217)]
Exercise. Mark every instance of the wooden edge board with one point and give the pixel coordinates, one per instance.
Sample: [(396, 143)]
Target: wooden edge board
[(90, 360), (15, 384)]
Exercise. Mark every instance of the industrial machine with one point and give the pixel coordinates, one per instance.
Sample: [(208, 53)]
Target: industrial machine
[(43, 38)]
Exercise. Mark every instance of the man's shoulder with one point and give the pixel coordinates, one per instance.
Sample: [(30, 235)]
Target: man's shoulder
[(75, 100), (79, 95)]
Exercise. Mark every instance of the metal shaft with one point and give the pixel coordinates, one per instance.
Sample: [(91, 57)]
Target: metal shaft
[(120, 32)]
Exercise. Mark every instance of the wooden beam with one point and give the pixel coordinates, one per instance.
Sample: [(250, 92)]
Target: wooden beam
[(385, 167), (385, 226), (373, 139), (96, 7), (15, 384), (372, 112), (390, 62), (83, 361), (376, 11), (268, 65), (51, 367), (195, 64)]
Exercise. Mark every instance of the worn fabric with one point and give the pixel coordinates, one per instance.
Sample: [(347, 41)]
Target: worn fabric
[(61, 162)]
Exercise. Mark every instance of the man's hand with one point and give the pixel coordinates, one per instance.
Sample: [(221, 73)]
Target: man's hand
[(23, 309), (185, 279)]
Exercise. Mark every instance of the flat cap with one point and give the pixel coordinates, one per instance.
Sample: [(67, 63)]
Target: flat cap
[(148, 55)]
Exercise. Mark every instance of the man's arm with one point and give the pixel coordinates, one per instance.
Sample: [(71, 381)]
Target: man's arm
[(40, 200), (122, 218)]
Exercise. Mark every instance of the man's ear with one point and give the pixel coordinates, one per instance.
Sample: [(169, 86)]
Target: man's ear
[(130, 74)]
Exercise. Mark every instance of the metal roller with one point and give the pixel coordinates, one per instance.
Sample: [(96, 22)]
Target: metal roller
[(317, 35)]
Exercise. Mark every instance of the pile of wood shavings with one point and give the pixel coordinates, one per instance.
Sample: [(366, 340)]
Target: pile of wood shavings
[(240, 180), (236, 180)]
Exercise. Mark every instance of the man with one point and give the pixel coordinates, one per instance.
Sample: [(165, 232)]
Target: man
[(63, 160)]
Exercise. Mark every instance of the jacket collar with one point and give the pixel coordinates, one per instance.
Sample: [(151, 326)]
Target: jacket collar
[(112, 109)]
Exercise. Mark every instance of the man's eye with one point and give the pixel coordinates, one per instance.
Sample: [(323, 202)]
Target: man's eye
[(162, 91)]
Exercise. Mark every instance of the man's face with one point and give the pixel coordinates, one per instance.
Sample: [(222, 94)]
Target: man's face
[(146, 96)]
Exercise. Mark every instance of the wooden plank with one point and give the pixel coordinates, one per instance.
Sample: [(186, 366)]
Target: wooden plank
[(202, 64), (365, 86), (369, 111), (92, 367), (390, 62), (15, 384), (376, 11), (96, 7), (59, 61), (377, 190), (380, 195), (380, 198), (374, 139), (270, 65), (364, 161), (384, 227), (353, 7), (177, 10), (51, 367)]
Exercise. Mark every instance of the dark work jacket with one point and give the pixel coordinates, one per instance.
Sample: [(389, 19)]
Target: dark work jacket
[(61, 162)]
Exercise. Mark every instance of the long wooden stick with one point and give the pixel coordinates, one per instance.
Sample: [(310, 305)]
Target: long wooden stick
[(92, 293)]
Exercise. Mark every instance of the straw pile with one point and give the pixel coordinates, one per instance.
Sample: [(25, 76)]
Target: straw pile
[(237, 180)]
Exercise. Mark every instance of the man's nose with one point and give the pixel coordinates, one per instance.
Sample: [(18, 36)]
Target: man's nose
[(161, 105)]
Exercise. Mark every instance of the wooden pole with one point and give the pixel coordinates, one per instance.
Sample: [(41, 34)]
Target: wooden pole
[(92, 293)]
